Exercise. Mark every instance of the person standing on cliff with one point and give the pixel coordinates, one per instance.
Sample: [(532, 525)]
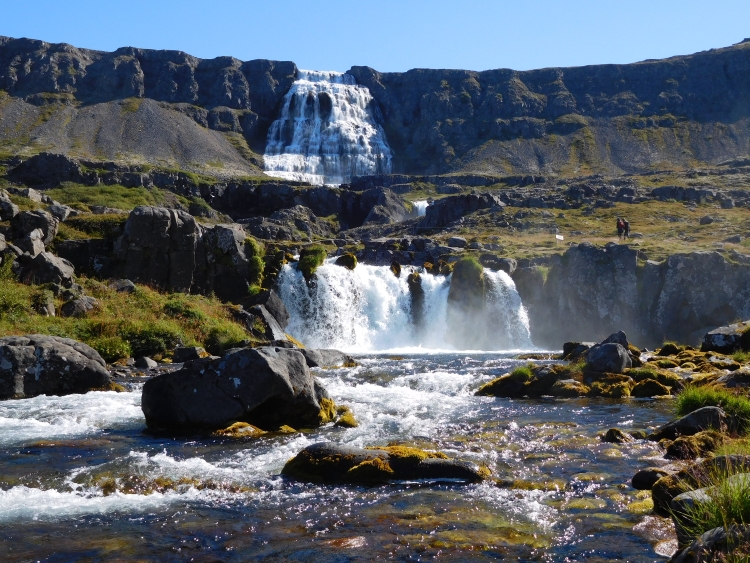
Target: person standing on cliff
[(626, 229), (620, 227)]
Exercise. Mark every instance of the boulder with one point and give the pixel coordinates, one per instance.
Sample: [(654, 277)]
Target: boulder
[(122, 286), (273, 330), (49, 365), (727, 339), (348, 261), (706, 418), (78, 307), (692, 447), (297, 223), (568, 388), (60, 212), (333, 463), (574, 350), (645, 479), (8, 209), (610, 358), (618, 337), (325, 358), (713, 544), (457, 242), (25, 222), (616, 436), (48, 268), (273, 304), (738, 378), (267, 387), (32, 243), (144, 362), (187, 353), (444, 211), (649, 388)]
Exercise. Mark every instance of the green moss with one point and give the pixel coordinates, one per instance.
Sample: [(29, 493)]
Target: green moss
[(116, 196), (98, 226), (310, 258), (348, 261), (131, 105), (111, 348)]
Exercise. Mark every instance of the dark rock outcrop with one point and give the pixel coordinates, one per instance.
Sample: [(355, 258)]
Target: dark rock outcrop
[(727, 339), (267, 387), (326, 358), (609, 357), (449, 209), (706, 418), (49, 365)]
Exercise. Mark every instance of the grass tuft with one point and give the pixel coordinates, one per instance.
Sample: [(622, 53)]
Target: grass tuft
[(736, 406)]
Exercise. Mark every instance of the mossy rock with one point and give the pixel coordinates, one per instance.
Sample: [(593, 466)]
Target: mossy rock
[(666, 364), (568, 388), (396, 269), (331, 463), (670, 349), (692, 447), (616, 436), (666, 378), (616, 390), (345, 418), (649, 388), (310, 259), (327, 411), (348, 261), (239, 430)]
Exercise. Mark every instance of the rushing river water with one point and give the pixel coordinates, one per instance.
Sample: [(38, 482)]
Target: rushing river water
[(81, 481)]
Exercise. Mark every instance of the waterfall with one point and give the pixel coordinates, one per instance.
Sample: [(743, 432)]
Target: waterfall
[(420, 206), (369, 308), (327, 132)]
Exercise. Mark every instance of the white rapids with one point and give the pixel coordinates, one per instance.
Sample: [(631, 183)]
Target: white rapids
[(327, 132), (369, 309)]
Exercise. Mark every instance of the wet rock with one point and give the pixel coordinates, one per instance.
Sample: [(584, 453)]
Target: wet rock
[(649, 388), (79, 307), (727, 339), (348, 261), (616, 436), (187, 353), (49, 365), (123, 286), (326, 358), (332, 463), (273, 304), (144, 362), (739, 378), (568, 388), (266, 387), (645, 479), (706, 418), (608, 358)]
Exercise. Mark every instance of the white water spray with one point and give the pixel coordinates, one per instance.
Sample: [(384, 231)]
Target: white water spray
[(420, 206), (369, 309), (327, 132)]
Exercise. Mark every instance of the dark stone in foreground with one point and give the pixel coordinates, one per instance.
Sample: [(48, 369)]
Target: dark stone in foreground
[(325, 358), (645, 479), (49, 365), (332, 463), (267, 387)]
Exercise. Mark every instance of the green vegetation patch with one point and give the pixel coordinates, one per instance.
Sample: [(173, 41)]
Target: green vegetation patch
[(310, 258), (736, 406), (115, 196)]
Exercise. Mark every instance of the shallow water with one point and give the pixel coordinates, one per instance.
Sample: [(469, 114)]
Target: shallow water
[(80, 481)]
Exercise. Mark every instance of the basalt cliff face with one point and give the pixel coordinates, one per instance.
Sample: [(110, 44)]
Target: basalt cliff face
[(159, 107), (171, 109), (675, 112)]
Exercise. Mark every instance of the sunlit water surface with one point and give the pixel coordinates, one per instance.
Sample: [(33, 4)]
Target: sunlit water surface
[(80, 481)]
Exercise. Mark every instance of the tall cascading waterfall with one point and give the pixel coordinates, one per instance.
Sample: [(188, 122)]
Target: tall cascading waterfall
[(369, 309), (327, 132)]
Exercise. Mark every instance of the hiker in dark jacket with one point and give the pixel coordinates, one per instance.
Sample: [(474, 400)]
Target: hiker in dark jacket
[(626, 230), (620, 227)]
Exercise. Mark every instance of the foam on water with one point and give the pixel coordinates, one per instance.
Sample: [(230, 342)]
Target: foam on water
[(327, 132), (48, 418)]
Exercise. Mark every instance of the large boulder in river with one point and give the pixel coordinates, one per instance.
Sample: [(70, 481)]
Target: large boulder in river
[(332, 463), (608, 358), (49, 365), (326, 358), (706, 418), (267, 387)]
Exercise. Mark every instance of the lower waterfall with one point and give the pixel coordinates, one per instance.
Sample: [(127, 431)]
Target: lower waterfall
[(369, 309)]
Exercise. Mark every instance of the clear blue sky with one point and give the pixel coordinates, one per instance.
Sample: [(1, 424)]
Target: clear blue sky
[(392, 35)]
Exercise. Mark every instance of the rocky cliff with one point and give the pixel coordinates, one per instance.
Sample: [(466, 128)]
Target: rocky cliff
[(590, 291), (158, 107), (606, 118), (171, 109)]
